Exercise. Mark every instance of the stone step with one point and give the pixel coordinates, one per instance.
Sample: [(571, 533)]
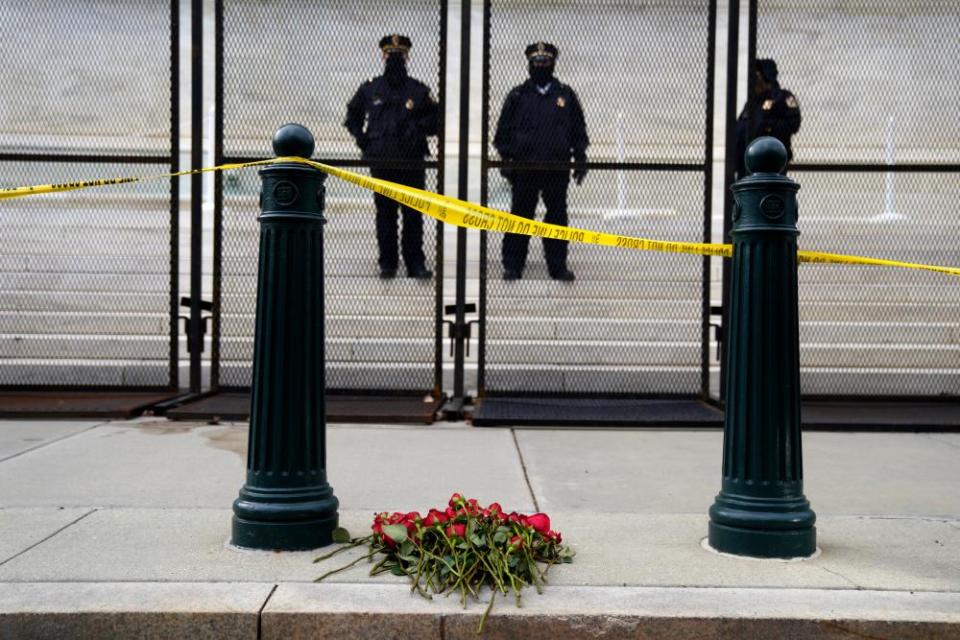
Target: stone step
[(350, 349), (690, 309), (520, 328), (106, 347), (357, 375), (814, 381), (83, 323), (86, 373), (582, 353), (128, 263), (92, 282), (879, 382), (371, 326), (377, 306), (592, 379), (401, 287)]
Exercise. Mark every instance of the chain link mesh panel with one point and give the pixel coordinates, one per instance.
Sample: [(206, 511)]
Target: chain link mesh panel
[(87, 275), (631, 321), (381, 334), (878, 84), (302, 60)]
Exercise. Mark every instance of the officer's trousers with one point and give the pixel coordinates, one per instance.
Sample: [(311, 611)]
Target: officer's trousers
[(528, 186), (412, 239)]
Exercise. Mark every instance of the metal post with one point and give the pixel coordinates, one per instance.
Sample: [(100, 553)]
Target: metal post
[(462, 182), (286, 502), (195, 332), (761, 510), (729, 168)]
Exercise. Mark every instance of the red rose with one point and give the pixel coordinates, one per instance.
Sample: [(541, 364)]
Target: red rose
[(540, 522), (554, 536), (434, 517), (457, 530), (516, 542), (494, 510), (455, 500)]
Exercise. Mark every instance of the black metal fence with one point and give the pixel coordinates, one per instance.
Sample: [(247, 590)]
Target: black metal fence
[(89, 294), (89, 278), (302, 61), (632, 323), (878, 159)]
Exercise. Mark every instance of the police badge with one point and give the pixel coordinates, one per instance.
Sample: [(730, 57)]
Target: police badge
[(561, 102), (409, 104), (767, 104)]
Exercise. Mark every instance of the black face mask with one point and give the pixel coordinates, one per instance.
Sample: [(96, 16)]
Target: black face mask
[(395, 68), (541, 75)]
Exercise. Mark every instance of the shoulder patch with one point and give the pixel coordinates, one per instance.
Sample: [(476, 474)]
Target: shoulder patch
[(791, 102)]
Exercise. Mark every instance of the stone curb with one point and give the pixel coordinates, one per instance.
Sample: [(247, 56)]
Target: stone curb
[(319, 611)]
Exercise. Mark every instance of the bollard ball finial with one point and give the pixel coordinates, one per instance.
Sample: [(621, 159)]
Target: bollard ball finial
[(293, 140), (766, 155)]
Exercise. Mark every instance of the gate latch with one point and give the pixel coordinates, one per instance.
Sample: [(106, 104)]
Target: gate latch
[(717, 310), (205, 305), (460, 331)]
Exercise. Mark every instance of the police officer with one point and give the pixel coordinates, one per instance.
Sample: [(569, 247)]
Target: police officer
[(399, 114), (541, 122), (770, 111)]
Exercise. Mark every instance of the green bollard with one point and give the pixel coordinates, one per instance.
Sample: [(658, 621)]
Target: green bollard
[(286, 503), (761, 510)]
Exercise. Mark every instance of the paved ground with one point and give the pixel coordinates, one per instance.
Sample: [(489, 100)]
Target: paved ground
[(120, 529)]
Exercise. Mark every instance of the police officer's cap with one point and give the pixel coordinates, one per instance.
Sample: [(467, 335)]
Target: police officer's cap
[(395, 42), (767, 68), (541, 50)]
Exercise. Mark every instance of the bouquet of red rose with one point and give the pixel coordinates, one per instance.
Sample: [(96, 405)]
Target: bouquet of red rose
[(461, 549)]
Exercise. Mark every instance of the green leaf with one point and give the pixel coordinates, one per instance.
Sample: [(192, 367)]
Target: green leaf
[(500, 536), (406, 548), (397, 570), (477, 540), (341, 535), (396, 532)]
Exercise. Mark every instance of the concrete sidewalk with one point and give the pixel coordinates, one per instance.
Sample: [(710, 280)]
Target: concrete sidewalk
[(120, 530)]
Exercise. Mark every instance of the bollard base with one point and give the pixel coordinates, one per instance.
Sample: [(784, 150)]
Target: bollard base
[(755, 543), (284, 519), (283, 536)]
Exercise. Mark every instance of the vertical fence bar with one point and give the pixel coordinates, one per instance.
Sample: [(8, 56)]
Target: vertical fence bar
[(174, 376), (217, 195), (484, 196), (707, 204), (729, 166), (196, 193), (441, 176), (462, 183)]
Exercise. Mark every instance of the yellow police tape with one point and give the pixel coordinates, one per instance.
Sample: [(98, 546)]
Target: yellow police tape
[(473, 216)]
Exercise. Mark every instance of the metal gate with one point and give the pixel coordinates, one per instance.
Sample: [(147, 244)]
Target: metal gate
[(298, 61), (89, 293), (632, 324), (878, 161)]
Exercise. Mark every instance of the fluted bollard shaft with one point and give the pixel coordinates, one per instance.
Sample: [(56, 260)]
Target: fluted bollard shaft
[(761, 509), (286, 502)]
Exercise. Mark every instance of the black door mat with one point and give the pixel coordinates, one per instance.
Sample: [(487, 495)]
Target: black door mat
[(231, 406), (592, 412), (881, 416), (79, 404)]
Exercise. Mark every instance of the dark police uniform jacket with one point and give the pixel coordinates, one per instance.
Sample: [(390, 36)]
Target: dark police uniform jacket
[(398, 119), (774, 113), (541, 128)]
